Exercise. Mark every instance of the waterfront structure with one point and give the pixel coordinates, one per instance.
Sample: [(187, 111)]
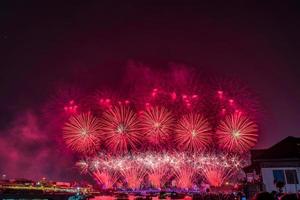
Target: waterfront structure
[(279, 163)]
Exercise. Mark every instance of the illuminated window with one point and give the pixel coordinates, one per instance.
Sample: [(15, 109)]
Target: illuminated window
[(278, 176)]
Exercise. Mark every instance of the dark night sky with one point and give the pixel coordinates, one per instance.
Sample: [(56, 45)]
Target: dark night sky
[(42, 43)]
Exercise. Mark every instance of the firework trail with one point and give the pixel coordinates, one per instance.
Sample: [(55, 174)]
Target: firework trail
[(159, 175), (133, 176), (83, 166), (215, 175), (184, 177), (217, 168), (160, 168), (106, 178)]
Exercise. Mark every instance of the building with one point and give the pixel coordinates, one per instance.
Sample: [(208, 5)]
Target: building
[(280, 162)]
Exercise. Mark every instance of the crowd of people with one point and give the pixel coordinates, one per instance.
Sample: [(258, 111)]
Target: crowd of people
[(276, 196), (258, 196)]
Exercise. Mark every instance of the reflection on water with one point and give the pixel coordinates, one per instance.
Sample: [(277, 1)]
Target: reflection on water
[(199, 196), (131, 197)]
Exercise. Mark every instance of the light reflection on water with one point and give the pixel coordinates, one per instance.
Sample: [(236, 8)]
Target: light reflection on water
[(131, 197)]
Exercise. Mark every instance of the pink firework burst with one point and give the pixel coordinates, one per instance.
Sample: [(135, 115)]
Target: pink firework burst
[(184, 177), (120, 126), (193, 133), (215, 175), (157, 123), (82, 133), (134, 176), (159, 175), (237, 133), (105, 178)]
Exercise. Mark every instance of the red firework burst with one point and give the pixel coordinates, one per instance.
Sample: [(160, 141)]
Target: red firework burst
[(157, 123), (214, 175), (237, 133), (134, 176), (193, 133), (82, 133), (159, 176), (121, 129), (105, 178), (184, 177)]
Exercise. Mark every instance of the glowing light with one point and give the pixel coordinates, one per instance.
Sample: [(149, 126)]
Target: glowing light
[(166, 140), (121, 129), (184, 177), (173, 96), (157, 124), (223, 111), (106, 179), (158, 176), (193, 133), (71, 107), (220, 92), (83, 166), (134, 175), (237, 133), (162, 167), (214, 176), (82, 133)]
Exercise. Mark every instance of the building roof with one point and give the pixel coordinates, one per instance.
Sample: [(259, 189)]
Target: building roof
[(288, 148)]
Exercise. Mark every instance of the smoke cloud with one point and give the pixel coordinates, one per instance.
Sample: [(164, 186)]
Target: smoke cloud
[(29, 150)]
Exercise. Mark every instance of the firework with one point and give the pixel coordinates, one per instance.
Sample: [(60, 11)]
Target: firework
[(237, 133), (120, 126), (83, 166), (81, 133), (213, 168), (106, 178), (159, 175), (184, 177), (219, 169), (133, 176), (157, 124), (193, 133), (223, 160), (161, 127), (71, 107), (235, 96), (215, 176)]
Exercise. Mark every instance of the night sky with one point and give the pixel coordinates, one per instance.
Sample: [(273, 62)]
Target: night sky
[(89, 42)]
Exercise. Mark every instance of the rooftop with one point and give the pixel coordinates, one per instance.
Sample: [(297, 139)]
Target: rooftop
[(288, 148)]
